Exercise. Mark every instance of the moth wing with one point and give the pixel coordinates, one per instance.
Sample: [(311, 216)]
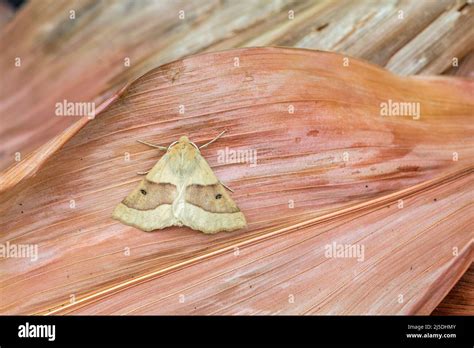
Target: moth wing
[(207, 206), (164, 171), (146, 220), (149, 206)]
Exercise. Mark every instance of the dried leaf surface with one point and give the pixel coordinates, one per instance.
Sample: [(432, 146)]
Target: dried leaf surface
[(323, 173)]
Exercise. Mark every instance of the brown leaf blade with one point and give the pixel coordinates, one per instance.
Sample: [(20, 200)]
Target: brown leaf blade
[(65, 207)]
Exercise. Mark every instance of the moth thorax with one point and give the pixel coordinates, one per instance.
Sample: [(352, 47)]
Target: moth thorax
[(184, 139)]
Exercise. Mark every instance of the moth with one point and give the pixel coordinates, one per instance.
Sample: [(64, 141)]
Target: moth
[(181, 190)]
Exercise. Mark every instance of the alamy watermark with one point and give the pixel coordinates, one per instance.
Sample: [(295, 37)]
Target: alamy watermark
[(28, 330), (228, 155), (68, 108), (336, 250), (8, 250), (394, 108)]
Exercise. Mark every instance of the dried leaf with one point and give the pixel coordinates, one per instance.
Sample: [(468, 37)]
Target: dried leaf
[(333, 170)]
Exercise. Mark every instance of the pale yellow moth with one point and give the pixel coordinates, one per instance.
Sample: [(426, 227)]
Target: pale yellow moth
[(181, 190)]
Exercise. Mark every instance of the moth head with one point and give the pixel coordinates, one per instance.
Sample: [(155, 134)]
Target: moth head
[(184, 142)]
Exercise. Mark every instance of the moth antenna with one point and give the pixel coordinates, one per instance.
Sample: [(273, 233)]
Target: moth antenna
[(227, 187), (143, 173), (210, 142), (153, 145)]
